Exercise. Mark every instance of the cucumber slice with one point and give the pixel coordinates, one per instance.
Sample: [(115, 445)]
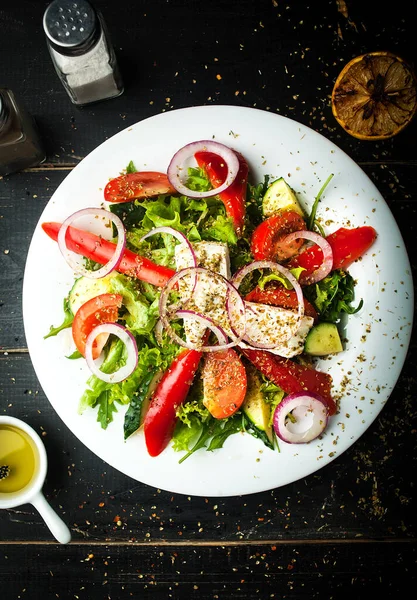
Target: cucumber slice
[(138, 407), (254, 406), (323, 339), (85, 288), (278, 197)]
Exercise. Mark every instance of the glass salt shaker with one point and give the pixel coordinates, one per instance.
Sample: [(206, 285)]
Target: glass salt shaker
[(81, 51), (20, 143)]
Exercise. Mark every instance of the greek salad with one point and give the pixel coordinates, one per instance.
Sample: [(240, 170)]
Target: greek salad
[(202, 299)]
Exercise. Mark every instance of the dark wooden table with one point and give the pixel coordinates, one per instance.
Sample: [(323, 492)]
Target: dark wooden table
[(349, 530)]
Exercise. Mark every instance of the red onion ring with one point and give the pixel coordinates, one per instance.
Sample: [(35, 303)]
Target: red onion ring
[(327, 264), (170, 286), (311, 414), (209, 324), (70, 256), (132, 352), (178, 235), (166, 311), (267, 264), (158, 332), (238, 307), (177, 173)]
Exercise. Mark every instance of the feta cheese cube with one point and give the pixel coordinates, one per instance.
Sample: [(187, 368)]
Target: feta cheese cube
[(270, 325), (209, 294)]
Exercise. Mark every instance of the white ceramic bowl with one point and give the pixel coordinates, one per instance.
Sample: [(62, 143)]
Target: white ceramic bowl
[(32, 492)]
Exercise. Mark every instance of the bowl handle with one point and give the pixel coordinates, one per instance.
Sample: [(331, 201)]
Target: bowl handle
[(56, 525)]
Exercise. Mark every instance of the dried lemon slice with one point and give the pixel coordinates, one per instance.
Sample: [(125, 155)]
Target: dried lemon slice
[(374, 96)]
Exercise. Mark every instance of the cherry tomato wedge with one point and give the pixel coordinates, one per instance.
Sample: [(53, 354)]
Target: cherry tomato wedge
[(347, 244), (276, 294), (100, 309), (136, 186), (224, 383), (267, 244), (234, 198)]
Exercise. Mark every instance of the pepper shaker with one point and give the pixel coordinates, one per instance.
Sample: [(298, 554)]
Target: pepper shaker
[(20, 143), (81, 51)]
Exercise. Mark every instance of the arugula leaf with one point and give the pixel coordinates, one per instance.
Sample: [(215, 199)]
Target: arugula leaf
[(333, 296), (311, 221), (106, 408), (254, 210), (131, 213), (68, 319), (213, 434), (224, 428), (75, 354)]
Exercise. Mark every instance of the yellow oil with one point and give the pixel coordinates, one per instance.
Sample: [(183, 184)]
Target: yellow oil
[(19, 453)]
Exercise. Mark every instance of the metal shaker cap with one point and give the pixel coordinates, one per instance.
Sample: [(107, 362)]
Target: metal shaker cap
[(72, 26)]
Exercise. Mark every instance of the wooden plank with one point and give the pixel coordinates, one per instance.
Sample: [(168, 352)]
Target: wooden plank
[(367, 492), (207, 573)]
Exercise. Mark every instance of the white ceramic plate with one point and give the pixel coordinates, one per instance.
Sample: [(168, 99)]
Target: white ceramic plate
[(378, 336)]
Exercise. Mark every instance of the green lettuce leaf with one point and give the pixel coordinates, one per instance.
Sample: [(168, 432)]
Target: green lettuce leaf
[(141, 315), (149, 360)]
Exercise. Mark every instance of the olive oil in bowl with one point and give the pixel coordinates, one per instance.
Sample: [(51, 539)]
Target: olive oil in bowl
[(20, 455), (23, 468)]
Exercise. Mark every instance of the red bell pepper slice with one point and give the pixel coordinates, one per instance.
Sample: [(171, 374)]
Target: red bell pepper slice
[(292, 377), (100, 250), (171, 392), (136, 186), (347, 244), (234, 198), (275, 294)]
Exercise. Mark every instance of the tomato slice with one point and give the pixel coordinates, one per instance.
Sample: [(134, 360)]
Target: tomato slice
[(100, 309), (136, 186), (267, 244), (224, 383), (276, 294)]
